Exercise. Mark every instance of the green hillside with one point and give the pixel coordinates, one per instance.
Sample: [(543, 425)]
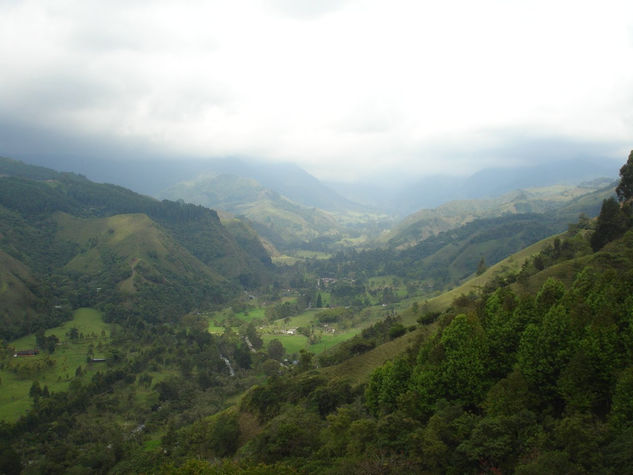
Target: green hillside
[(276, 218), (521, 372), (563, 200), (152, 337), (21, 297), (285, 225), (67, 242), (449, 258)]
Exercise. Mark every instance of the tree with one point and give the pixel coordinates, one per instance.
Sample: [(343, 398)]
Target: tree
[(224, 435), (306, 361), (612, 223), (624, 189), (481, 267), (253, 336), (275, 349), (73, 333), (319, 301), (465, 359), (36, 391), (242, 356)]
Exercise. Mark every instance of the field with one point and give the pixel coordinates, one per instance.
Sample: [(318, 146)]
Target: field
[(18, 374), (324, 337)]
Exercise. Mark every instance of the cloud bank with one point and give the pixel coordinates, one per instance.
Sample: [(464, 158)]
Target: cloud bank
[(346, 89)]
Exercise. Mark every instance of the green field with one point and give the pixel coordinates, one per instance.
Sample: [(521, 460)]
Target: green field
[(292, 343), (18, 374), (215, 330), (329, 340), (247, 316), (325, 340)]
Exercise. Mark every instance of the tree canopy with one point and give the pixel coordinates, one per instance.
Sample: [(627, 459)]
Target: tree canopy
[(624, 189)]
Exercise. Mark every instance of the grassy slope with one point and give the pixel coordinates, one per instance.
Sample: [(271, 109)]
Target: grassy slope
[(506, 266), (358, 369), (134, 238), (14, 393)]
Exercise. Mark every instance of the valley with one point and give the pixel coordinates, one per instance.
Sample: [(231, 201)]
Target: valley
[(147, 335), (294, 237)]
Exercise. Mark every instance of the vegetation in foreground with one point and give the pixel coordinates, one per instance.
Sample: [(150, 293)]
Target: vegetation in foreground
[(530, 373)]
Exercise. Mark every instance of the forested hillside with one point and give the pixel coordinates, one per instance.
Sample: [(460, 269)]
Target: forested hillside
[(68, 242), (448, 258), (532, 375), (175, 348)]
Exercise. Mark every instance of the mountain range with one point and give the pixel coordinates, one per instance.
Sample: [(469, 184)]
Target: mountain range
[(409, 196)]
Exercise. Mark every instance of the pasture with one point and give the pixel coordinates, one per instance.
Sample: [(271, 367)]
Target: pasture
[(55, 370)]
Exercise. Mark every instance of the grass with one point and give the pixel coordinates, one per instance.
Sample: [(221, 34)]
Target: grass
[(329, 340), (14, 398), (258, 313), (215, 330), (506, 266), (292, 343), (304, 254), (284, 260), (358, 369)]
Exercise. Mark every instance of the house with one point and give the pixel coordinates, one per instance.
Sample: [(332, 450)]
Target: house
[(32, 352), (325, 281)]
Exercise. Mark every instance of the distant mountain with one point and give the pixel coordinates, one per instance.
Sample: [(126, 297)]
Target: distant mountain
[(151, 175), (567, 200), (67, 242), (433, 191), (277, 219), (288, 180)]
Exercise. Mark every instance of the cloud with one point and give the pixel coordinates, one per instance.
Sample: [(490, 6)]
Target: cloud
[(307, 9), (345, 88)]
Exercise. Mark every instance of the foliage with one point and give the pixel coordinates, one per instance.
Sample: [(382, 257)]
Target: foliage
[(624, 190), (613, 222), (528, 373), (67, 242)]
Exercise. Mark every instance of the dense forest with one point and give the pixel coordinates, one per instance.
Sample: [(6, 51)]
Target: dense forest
[(529, 373)]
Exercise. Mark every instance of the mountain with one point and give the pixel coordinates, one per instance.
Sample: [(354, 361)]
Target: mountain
[(443, 259), (68, 242), (288, 180), (277, 219), (567, 200), (410, 195)]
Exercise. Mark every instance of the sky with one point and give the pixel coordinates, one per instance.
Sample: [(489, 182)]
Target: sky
[(347, 89)]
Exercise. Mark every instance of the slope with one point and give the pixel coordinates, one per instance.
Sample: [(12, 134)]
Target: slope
[(85, 243), (282, 222), (568, 200)]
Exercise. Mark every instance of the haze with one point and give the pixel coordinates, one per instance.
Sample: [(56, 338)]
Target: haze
[(348, 90)]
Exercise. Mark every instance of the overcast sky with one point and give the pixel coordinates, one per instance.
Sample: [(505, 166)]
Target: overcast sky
[(345, 89)]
